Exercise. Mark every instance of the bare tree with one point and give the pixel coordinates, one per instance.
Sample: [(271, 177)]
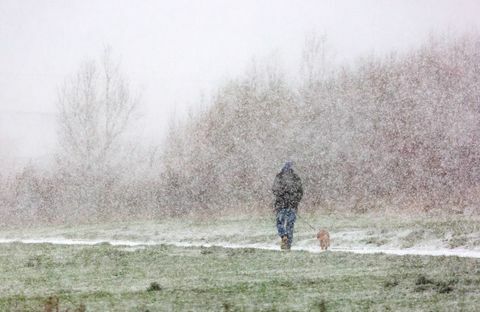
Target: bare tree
[(317, 60), (95, 108)]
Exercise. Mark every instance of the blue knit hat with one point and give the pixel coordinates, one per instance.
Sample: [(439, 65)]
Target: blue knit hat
[(288, 165)]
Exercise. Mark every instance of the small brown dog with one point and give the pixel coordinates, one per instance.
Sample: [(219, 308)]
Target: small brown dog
[(324, 238), (51, 304)]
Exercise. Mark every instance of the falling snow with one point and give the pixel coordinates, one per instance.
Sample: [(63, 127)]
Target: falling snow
[(386, 147)]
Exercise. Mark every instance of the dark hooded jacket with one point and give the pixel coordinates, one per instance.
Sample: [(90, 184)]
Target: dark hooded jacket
[(288, 191)]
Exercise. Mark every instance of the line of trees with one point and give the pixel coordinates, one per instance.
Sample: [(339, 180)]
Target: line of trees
[(399, 131), (98, 173)]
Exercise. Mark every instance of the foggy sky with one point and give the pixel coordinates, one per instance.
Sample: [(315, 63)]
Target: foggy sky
[(173, 51)]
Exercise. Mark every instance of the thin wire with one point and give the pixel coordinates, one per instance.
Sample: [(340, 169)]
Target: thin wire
[(304, 221)]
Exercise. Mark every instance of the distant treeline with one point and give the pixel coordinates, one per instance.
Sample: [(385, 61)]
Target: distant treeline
[(396, 132)]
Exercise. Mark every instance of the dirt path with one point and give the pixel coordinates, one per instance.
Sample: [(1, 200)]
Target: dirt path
[(314, 249)]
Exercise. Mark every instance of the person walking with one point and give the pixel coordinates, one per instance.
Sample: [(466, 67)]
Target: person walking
[(288, 191)]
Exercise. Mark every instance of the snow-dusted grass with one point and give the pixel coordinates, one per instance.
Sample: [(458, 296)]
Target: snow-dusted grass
[(78, 268), (109, 278), (458, 235)]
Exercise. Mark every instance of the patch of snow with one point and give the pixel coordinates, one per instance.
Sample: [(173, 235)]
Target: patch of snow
[(301, 247)]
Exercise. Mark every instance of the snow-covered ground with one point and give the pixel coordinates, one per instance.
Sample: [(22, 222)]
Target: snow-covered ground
[(357, 234), (460, 252)]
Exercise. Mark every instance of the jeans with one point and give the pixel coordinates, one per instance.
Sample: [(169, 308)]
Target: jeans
[(285, 221)]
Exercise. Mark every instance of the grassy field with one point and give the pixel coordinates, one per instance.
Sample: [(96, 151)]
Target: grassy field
[(347, 231), (166, 278), (163, 277)]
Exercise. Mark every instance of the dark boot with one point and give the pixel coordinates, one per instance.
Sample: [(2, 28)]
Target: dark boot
[(284, 243), (289, 245)]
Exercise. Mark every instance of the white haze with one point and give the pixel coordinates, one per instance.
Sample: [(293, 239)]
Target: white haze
[(177, 51)]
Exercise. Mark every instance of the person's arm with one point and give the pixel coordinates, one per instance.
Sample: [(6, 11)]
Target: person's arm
[(299, 189), (277, 187)]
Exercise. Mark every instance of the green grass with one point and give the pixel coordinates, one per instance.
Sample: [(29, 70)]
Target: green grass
[(167, 278), (390, 231)]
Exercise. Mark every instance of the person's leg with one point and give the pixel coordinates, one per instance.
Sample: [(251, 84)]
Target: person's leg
[(291, 217), (281, 218), (281, 228)]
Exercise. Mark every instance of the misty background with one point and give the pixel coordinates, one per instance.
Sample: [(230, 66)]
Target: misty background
[(192, 67), (177, 51)]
